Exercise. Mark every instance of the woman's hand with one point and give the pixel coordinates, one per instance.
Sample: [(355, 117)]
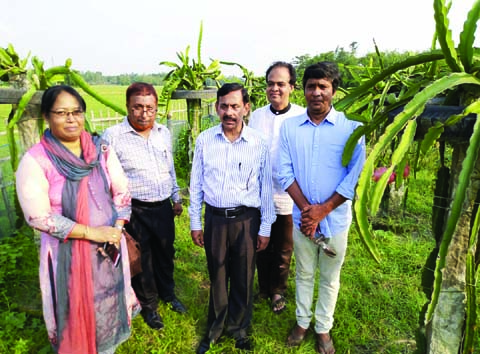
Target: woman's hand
[(103, 234)]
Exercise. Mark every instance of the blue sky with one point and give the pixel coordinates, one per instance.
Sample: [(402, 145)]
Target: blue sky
[(119, 36)]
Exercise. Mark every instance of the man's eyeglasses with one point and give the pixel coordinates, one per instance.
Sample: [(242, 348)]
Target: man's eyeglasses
[(141, 109), (77, 113)]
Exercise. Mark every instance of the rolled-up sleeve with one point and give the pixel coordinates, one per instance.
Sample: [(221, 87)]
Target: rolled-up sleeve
[(347, 186), (285, 164)]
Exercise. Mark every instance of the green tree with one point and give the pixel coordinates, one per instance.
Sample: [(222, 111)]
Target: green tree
[(14, 71), (255, 85), (190, 75), (93, 78), (353, 69)]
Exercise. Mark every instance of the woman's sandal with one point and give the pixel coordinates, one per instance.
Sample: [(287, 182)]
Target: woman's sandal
[(279, 305)]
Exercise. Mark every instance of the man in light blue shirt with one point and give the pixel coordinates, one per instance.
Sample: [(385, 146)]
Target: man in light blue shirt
[(231, 173), (311, 171)]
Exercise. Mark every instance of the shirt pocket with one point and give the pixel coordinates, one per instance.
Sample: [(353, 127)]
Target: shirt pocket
[(246, 176), (333, 157), (162, 155)]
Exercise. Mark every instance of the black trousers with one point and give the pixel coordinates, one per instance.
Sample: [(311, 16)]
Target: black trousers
[(152, 224), (273, 263), (230, 248)]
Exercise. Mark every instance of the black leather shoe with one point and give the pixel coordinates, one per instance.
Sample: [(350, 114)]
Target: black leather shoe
[(177, 306), (243, 343), (205, 345), (153, 319)]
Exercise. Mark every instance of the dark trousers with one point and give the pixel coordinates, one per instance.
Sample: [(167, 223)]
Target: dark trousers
[(273, 263), (230, 247), (152, 225)]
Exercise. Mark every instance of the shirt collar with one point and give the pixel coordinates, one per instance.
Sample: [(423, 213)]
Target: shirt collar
[(244, 135), (127, 128), (330, 118), (282, 111)]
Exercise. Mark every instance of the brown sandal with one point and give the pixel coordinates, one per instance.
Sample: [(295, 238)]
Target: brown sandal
[(279, 305)]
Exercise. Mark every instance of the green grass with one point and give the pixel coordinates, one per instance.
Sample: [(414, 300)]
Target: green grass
[(377, 308)]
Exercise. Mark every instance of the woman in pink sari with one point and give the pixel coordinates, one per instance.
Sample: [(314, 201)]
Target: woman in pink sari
[(72, 188)]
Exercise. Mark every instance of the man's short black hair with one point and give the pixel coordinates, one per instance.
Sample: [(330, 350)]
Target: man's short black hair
[(231, 87), (323, 70), (288, 66)]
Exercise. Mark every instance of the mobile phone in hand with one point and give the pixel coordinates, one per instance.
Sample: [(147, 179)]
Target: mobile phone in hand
[(113, 252)]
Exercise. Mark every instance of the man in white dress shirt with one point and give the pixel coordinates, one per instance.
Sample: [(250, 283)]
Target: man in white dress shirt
[(273, 264)]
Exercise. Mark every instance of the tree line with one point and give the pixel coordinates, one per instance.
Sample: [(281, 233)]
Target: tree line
[(347, 59), (97, 78)]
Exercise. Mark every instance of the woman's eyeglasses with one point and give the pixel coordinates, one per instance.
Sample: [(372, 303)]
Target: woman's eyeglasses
[(77, 113)]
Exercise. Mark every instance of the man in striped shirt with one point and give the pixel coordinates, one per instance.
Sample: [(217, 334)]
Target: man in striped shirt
[(144, 149), (231, 173)]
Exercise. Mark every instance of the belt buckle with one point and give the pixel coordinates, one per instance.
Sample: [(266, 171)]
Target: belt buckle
[(226, 213)]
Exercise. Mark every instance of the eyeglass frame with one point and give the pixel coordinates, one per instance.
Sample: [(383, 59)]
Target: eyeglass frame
[(76, 113), (142, 110)]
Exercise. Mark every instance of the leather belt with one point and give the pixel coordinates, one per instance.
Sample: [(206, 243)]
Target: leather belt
[(141, 203), (230, 213)]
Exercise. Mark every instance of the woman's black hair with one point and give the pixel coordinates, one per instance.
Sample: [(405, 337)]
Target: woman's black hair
[(50, 96)]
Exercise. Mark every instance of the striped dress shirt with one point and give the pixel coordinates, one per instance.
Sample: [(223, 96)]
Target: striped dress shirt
[(147, 162), (230, 174)]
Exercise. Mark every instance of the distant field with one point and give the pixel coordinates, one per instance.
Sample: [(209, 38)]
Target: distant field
[(102, 116), (115, 94)]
